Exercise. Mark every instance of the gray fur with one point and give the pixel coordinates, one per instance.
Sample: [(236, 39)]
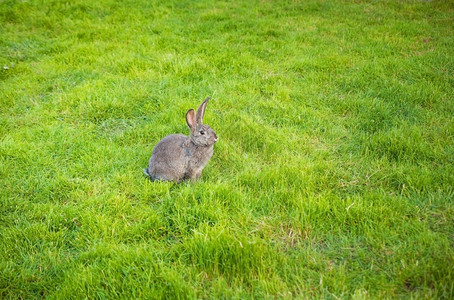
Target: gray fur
[(178, 157)]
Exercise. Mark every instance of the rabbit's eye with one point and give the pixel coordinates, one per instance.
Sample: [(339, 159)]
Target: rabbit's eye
[(202, 132)]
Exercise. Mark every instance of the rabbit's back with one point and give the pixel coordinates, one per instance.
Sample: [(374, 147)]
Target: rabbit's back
[(169, 160)]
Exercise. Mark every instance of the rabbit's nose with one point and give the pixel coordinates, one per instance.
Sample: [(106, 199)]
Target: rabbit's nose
[(215, 138)]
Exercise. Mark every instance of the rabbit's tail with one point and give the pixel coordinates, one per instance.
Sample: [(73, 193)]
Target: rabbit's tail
[(145, 171)]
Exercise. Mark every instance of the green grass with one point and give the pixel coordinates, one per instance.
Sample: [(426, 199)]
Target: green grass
[(333, 176)]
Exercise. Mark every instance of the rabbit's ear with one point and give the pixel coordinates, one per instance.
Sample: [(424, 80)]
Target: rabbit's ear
[(201, 111), (190, 119)]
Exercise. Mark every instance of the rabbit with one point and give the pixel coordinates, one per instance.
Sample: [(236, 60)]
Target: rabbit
[(178, 157)]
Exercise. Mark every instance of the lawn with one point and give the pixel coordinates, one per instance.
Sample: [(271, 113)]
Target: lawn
[(333, 176)]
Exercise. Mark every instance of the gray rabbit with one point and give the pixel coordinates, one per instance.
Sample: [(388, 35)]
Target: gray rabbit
[(178, 157)]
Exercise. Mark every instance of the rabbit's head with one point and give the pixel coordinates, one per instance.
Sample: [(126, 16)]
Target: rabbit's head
[(201, 134)]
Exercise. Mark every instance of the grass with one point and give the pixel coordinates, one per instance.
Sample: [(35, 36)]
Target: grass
[(333, 177)]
